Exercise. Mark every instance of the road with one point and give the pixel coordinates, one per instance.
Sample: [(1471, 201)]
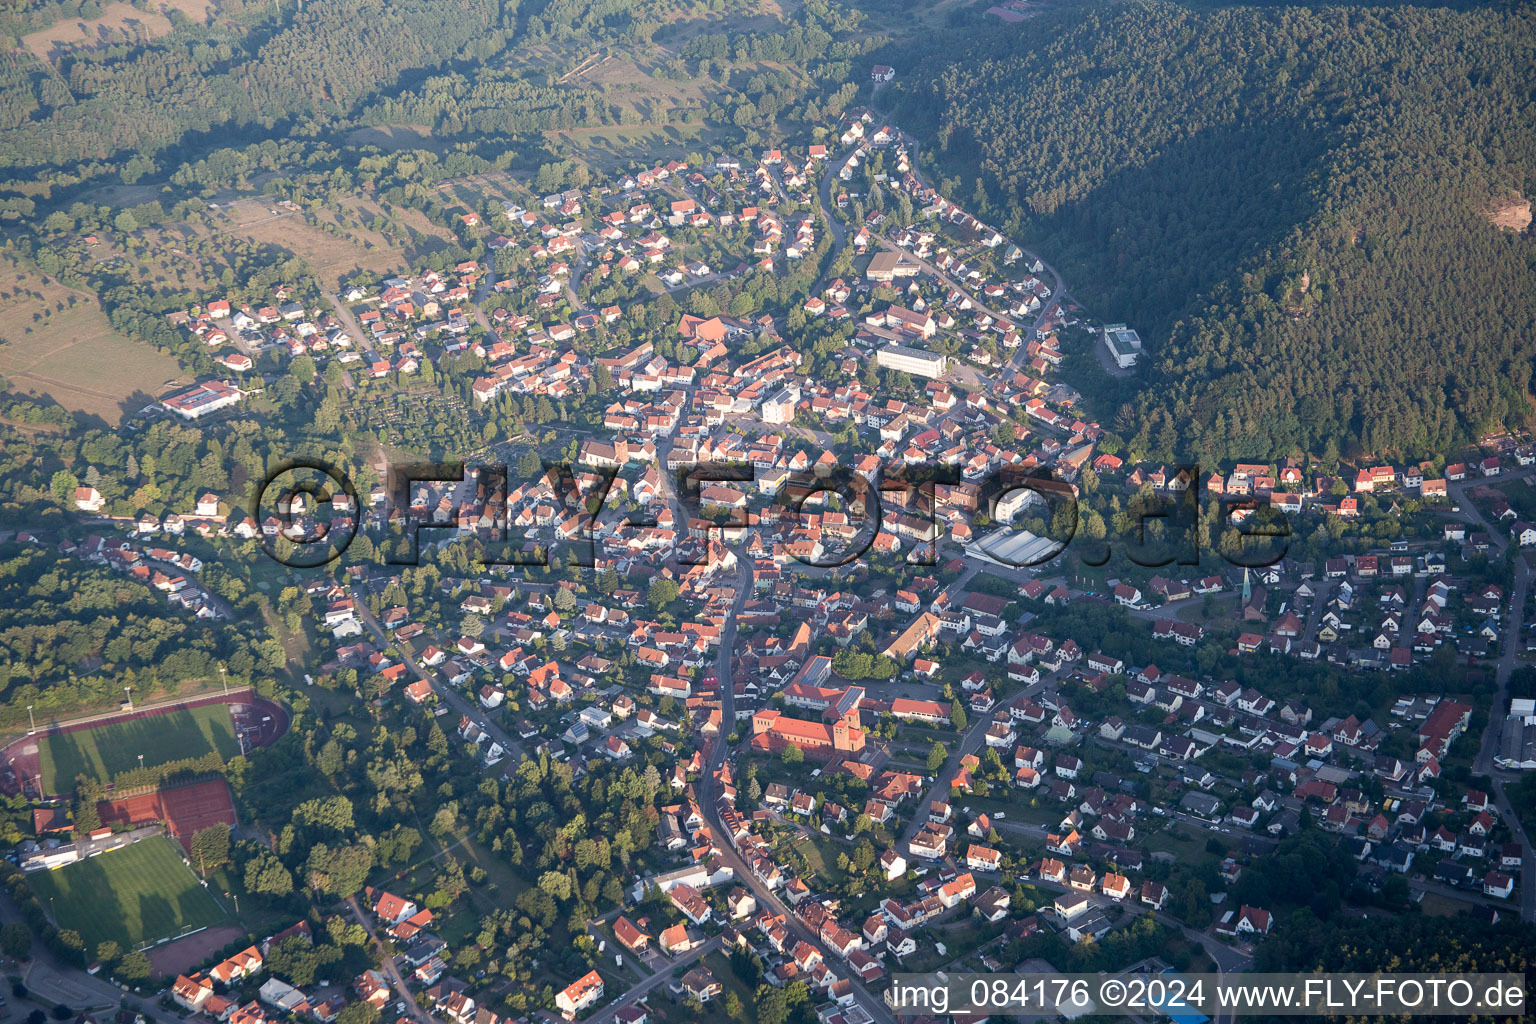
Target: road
[(970, 743), (402, 990), (445, 693), (834, 225), (354, 329), (1228, 959), (639, 991), (1493, 730), (482, 290), (1320, 605), (708, 801), (56, 982), (1058, 282)]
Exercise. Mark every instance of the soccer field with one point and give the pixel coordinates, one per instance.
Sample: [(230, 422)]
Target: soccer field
[(134, 895), (114, 747)]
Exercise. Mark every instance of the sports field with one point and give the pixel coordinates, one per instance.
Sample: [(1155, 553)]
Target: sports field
[(103, 751), (135, 895)]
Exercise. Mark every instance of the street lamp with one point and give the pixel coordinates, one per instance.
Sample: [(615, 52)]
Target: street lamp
[(129, 696), (33, 729), (224, 679), (141, 762)]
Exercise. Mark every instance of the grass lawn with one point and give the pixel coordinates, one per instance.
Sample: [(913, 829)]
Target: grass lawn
[(114, 747), (135, 895), (1186, 847), (57, 341), (720, 966), (1436, 905), (821, 855), (1521, 497)]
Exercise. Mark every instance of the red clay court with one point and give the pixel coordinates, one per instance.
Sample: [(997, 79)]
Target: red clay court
[(184, 809)]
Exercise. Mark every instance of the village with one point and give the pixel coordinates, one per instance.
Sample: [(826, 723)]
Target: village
[(893, 745)]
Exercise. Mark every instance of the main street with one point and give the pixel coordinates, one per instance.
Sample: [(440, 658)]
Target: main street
[(1493, 730), (708, 800)]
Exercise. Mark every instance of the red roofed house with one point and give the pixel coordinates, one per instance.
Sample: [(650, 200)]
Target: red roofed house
[(579, 994)]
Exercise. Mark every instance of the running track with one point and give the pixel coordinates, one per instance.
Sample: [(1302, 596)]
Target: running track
[(20, 762)]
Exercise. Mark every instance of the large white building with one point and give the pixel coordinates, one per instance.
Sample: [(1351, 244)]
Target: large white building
[(1124, 345), (1006, 506), (912, 360), (779, 407), (201, 399)]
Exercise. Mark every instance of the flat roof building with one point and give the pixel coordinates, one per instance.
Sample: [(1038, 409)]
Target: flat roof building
[(1124, 345), (201, 399), (912, 360)]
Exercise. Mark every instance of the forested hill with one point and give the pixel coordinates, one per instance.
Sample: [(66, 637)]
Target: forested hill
[(132, 102), (1290, 202)]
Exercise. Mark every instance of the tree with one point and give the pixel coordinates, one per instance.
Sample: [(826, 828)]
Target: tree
[(661, 593), (445, 819), (338, 872), (210, 847), (359, 1012), (792, 754), (298, 960), (16, 940), (556, 883), (937, 755), (529, 466), (108, 952), (63, 487), (957, 715), (134, 966), (267, 875), (771, 1005), (87, 817)]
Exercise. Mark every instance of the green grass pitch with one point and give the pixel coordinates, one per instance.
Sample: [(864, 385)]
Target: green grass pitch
[(134, 895), (115, 747)]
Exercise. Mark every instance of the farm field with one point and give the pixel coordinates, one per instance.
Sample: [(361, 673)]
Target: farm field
[(612, 147), (336, 248), (56, 340), (118, 22), (162, 258), (114, 747), (138, 894)]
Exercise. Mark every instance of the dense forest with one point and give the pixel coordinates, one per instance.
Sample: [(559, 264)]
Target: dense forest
[(1291, 203), (1410, 943), (138, 100)]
